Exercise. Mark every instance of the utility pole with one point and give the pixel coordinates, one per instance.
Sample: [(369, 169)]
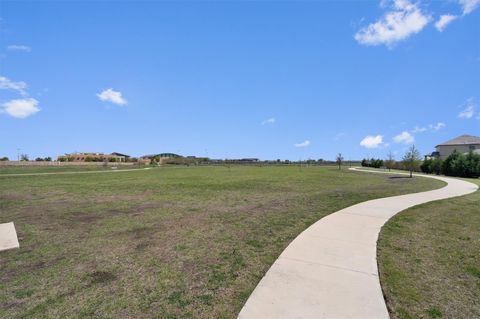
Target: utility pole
[(18, 154)]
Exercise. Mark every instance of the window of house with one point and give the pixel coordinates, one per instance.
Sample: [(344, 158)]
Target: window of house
[(472, 147)]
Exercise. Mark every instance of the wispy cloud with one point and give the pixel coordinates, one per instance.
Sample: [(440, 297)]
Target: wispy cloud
[(115, 97), (404, 138), (372, 141), (339, 136), (7, 84), (468, 109), (20, 108), (403, 20), (467, 113), (469, 5), (438, 126), (303, 144), (431, 127), (19, 47), (444, 20), (271, 120), (419, 129)]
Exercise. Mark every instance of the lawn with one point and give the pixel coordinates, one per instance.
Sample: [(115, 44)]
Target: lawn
[(5, 170), (165, 242), (429, 260)]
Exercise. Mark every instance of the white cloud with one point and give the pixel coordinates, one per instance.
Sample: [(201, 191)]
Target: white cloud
[(7, 84), (18, 47), (469, 5), (444, 20), (404, 138), (469, 109), (404, 20), (112, 96), (438, 126), (419, 129), (431, 127), (271, 120), (372, 141), (303, 144), (467, 113), (21, 108)]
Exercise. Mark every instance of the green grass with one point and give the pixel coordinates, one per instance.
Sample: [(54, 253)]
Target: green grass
[(4, 170), (429, 260), (163, 243)]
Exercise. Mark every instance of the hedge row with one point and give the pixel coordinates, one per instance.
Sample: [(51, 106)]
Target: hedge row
[(375, 163), (457, 164)]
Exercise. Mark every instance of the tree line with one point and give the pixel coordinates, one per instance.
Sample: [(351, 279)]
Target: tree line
[(457, 164)]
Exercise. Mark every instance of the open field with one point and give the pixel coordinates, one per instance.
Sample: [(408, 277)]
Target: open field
[(163, 243), (5, 170), (429, 260)]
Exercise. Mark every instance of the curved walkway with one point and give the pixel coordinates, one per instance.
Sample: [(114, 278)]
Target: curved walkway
[(330, 270)]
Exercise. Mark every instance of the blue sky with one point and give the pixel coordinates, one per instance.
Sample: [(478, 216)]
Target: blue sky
[(290, 80)]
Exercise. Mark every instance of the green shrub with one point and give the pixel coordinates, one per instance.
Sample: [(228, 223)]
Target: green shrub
[(461, 165), (375, 163), (427, 166), (436, 166)]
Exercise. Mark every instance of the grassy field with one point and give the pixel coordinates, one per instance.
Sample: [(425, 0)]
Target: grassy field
[(5, 170), (429, 260), (165, 242)]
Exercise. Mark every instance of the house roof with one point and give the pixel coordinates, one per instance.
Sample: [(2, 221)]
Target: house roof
[(162, 155), (120, 154), (462, 140)]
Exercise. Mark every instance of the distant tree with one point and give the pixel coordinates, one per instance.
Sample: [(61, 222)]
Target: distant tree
[(39, 159), (390, 161), (48, 159), (24, 158), (339, 160), (411, 160), (4, 159)]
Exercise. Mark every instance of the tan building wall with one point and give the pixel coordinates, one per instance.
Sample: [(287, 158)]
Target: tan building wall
[(81, 157), (446, 150)]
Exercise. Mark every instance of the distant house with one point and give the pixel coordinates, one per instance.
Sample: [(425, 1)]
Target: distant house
[(462, 144), (161, 155), (248, 160), (93, 157)]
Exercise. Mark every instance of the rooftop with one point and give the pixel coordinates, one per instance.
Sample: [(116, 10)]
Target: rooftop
[(462, 140)]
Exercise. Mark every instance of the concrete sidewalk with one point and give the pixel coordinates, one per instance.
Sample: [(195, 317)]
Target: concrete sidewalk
[(330, 270)]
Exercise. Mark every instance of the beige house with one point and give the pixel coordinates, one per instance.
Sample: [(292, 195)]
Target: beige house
[(93, 157), (462, 144)]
